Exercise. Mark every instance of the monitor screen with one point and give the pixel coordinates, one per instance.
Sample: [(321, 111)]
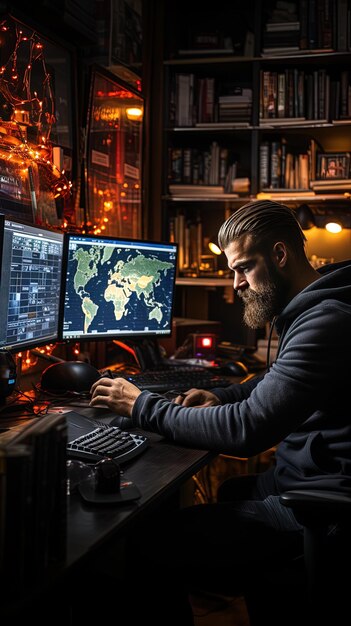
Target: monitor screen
[(30, 285), (116, 287)]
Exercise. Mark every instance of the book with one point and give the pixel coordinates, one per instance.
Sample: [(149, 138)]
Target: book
[(264, 164), (292, 51), (205, 51), (285, 194), (329, 183), (214, 125), (292, 121), (189, 190), (282, 26), (194, 192)]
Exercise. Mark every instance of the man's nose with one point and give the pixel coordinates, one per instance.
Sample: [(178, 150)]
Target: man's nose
[(240, 282)]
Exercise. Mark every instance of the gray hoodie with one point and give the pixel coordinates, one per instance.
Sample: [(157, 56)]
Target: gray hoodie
[(301, 405)]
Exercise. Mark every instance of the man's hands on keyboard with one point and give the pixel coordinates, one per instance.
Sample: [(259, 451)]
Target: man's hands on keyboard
[(195, 397), (117, 394)]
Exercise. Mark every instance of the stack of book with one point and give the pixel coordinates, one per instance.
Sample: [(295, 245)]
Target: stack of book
[(32, 501), (281, 37), (235, 107)]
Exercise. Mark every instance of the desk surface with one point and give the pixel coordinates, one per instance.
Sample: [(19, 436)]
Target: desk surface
[(158, 472)]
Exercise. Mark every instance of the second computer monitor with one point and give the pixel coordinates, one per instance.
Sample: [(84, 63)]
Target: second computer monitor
[(116, 288)]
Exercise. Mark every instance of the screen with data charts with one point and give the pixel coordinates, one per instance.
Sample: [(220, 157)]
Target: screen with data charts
[(31, 271)]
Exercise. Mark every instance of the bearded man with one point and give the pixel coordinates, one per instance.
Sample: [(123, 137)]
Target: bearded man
[(299, 407)]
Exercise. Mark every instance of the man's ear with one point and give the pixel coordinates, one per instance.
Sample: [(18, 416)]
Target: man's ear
[(280, 254)]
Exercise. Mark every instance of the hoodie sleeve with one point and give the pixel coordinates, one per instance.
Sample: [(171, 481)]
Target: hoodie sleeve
[(237, 391), (259, 414)]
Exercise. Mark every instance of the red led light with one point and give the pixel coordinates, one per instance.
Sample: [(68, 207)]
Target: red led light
[(205, 342)]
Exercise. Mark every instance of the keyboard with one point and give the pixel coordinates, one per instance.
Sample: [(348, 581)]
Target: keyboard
[(90, 441), (176, 378)]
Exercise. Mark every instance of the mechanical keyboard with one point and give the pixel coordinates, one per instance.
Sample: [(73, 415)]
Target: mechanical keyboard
[(91, 444), (176, 378)]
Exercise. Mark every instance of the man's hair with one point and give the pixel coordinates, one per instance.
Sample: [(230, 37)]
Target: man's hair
[(266, 221)]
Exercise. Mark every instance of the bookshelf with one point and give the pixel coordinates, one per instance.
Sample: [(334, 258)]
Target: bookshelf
[(254, 99), (221, 48)]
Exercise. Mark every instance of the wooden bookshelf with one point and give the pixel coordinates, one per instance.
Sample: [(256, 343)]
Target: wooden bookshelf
[(260, 113)]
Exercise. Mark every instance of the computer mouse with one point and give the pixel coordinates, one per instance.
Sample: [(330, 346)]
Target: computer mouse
[(122, 421), (234, 368), (107, 476), (66, 376)]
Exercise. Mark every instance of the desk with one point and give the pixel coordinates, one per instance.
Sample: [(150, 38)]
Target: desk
[(159, 472)]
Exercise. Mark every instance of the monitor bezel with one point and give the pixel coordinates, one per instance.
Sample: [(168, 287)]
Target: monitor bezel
[(93, 337), (34, 343)]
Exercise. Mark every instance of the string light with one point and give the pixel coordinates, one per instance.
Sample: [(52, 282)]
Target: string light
[(28, 108)]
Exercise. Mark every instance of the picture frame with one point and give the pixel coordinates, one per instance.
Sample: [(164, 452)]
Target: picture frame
[(333, 166)]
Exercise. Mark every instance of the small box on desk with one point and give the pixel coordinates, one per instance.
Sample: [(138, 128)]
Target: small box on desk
[(182, 327)]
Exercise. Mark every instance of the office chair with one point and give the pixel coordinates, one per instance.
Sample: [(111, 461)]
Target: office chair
[(326, 518)]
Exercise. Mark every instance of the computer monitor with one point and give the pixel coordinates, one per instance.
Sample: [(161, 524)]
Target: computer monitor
[(30, 285), (114, 287)]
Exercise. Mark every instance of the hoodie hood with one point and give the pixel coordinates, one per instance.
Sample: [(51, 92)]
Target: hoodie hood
[(334, 284)]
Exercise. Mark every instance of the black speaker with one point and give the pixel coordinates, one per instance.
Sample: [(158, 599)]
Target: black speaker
[(7, 374)]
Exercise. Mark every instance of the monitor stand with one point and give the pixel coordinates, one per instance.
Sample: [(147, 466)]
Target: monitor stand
[(147, 352)]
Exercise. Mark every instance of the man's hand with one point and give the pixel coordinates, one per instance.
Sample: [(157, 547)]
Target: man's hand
[(197, 397), (117, 394)]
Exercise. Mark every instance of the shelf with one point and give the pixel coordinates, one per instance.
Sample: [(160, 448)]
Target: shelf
[(222, 198), (191, 60), (308, 55), (260, 118), (204, 282)]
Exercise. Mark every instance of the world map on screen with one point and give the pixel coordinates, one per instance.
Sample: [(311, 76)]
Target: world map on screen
[(119, 289)]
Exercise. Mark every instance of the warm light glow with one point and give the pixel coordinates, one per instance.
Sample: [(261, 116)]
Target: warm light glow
[(28, 111), (206, 342), (134, 114), (333, 227), (214, 248)]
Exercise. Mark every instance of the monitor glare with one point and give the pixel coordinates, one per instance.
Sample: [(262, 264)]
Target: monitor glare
[(30, 285), (116, 287)]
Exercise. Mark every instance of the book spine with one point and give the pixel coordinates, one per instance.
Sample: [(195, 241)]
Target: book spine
[(342, 35), (281, 94), (264, 165), (275, 164)]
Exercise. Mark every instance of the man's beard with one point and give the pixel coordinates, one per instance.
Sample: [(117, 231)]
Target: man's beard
[(262, 305)]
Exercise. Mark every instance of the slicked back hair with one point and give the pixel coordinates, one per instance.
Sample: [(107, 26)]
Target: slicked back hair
[(266, 221)]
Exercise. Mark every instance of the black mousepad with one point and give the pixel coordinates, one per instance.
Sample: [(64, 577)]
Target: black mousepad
[(127, 493)]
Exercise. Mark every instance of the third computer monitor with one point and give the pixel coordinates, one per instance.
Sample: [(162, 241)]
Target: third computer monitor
[(114, 287)]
